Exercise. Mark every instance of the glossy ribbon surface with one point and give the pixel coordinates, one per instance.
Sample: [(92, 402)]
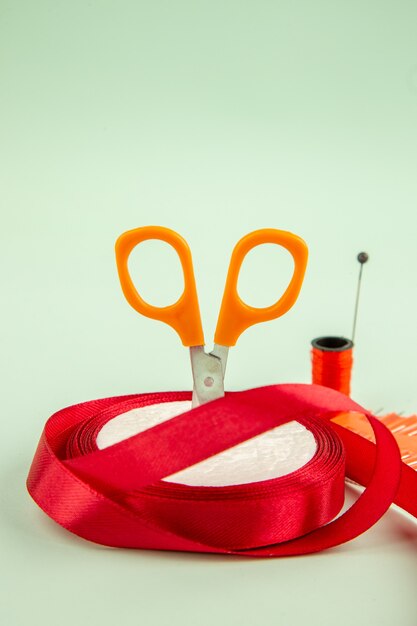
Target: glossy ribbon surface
[(115, 496)]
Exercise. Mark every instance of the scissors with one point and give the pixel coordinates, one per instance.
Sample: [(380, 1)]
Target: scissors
[(208, 369)]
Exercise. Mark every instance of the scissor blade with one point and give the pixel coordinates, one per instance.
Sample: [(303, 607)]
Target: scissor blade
[(208, 376), (221, 352)]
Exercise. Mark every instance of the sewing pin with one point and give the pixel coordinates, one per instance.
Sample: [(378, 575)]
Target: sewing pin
[(362, 257)]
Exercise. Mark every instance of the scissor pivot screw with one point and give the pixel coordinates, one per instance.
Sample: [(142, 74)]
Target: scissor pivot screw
[(209, 381)]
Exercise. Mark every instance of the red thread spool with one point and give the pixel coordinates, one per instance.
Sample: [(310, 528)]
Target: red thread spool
[(332, 360)]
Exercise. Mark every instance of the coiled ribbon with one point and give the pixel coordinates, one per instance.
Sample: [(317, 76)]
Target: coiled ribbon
[(115, 496)]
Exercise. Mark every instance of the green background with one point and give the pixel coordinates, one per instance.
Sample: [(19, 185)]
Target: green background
[(212, 118)]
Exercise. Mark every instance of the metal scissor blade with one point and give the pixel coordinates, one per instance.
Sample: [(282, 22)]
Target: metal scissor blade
[(208, 374), (221, 352)]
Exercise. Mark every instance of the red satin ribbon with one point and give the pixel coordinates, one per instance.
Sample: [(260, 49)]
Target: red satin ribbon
[(115, 496)]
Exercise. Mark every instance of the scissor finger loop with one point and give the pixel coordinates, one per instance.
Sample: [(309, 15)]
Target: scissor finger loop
[(184, 314), (235, 315)]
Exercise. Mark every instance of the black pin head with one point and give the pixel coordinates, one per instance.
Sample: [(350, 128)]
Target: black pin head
[(362, 257)]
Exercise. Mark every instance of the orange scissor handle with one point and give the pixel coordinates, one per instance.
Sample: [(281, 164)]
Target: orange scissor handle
[(184, 314), (235, 315)]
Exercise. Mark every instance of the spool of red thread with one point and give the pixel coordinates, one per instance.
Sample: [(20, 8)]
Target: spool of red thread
[(332, 360)]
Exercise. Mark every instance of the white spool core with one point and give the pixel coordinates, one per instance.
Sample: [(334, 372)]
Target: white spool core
[(275, 453)]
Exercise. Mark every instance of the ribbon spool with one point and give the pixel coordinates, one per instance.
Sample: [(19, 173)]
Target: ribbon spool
[(332, 360), (116, 496)]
